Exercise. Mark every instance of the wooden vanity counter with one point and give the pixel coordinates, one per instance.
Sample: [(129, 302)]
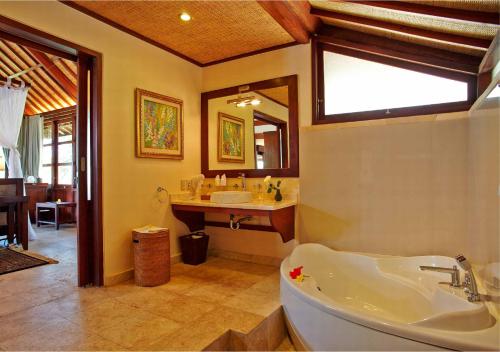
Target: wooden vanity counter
[(281, 215)]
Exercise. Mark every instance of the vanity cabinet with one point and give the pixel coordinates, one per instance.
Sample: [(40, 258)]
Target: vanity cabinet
[(281, 216)]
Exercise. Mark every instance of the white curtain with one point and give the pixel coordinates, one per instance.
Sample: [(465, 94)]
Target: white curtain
[(12, 101)]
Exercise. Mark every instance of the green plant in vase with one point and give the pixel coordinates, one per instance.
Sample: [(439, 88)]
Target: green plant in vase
[(270, 187)]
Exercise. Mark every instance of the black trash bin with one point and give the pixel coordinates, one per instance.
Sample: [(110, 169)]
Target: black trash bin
[(194, 248)]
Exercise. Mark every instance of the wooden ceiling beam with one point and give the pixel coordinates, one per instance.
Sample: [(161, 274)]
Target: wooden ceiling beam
[(435, 11), (400, 50), (55, 73), (482, 44), (36, 46), (293, 16), (35, 77), (55, 91), (34, 92)]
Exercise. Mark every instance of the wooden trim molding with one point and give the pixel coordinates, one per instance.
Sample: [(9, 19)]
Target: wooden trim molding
[(293, 127), (317, 50)]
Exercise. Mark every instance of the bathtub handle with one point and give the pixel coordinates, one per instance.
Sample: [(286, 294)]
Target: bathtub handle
[(455, 274)]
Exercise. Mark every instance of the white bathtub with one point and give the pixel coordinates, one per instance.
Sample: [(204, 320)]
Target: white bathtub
[(351, 301)]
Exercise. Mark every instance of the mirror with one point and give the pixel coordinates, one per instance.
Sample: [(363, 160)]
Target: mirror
[(251, 128)]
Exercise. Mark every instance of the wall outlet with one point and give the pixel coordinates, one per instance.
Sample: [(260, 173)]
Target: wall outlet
[(185, 185)]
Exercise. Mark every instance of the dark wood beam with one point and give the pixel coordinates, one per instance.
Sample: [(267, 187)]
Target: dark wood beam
[(55, 73), (490, 59), (302, 10), (492, 56), (436, 11), (399, 50), (294, 18), (364, 21), (13, 68), (55, 92), (48, 95), (34, 45)]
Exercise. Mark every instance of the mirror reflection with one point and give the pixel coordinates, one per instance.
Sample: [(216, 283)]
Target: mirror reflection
[(249, 130)]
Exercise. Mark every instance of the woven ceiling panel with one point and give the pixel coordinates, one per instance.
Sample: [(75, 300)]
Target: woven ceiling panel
[(405, 37), (473, 5), (470, 29), (218, 29)]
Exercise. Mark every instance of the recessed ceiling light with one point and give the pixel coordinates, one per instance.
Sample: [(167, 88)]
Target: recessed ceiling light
[(185, 17)]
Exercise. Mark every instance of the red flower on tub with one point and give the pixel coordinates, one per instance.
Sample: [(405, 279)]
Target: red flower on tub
[(296, 274)]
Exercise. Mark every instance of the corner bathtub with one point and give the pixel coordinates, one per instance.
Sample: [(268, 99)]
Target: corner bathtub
[(351, 301)]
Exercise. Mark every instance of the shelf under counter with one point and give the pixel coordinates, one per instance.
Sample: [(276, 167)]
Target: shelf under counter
[(281, 215)]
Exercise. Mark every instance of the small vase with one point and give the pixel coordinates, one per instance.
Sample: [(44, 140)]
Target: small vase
[(278, 197)]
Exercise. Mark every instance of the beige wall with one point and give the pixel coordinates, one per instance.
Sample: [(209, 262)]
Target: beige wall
[(397, 188), (129, 183)]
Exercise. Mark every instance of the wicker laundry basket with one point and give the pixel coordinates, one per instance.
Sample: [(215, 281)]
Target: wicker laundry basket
[(151, 258)]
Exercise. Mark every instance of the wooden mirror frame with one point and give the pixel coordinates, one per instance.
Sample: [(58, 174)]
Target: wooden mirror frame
[(293, 128)]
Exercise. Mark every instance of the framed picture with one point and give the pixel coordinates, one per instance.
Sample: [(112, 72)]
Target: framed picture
[(231, 139), (159, 126)]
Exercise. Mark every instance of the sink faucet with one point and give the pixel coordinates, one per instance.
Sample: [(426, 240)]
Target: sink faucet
[(470, 280), (243, 181), (455, 274)]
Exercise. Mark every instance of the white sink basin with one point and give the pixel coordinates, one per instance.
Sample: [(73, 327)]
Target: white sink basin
[(231, 197)]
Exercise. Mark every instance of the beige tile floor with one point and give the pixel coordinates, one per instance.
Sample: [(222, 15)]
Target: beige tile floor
[(42, 309)]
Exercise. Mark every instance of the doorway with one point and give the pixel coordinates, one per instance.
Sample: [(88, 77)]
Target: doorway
[(271, 141), (84, 131)]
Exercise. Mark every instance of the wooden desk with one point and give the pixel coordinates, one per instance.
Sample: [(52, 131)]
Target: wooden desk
[(17, 218), (56, 206)]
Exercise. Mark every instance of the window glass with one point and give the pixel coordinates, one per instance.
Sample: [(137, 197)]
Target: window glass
[(65, 153), (47, 154), (47, 134), (354, 85), (65, 131), (65, 174), (45, 174)]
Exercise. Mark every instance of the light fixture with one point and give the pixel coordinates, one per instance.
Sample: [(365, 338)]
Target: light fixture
[(242, 101), (184, 16)]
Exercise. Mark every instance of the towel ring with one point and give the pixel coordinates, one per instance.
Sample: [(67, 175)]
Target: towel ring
[(159, 190)]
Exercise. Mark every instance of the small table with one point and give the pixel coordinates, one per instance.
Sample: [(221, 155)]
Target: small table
[(56, 206)]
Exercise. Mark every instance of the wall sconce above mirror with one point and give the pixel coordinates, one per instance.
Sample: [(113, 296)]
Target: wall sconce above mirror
[(251, 128)]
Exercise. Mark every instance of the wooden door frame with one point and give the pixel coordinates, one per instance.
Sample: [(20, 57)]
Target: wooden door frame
[(90, 229)]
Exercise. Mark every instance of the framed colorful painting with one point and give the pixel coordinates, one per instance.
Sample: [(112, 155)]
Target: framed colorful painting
[(231, 139), (159, 126)]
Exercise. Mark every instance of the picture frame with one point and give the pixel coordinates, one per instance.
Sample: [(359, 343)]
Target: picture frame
[(159, 126), (230, 139)]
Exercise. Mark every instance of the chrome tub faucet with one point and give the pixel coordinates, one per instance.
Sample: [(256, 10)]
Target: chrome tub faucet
[(470, 285), (455, 274)]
